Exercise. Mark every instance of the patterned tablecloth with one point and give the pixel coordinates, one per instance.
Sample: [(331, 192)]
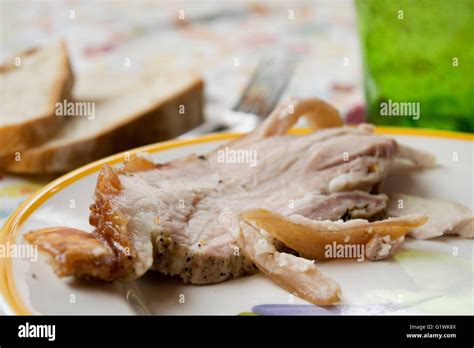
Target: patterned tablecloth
[(208, 36)]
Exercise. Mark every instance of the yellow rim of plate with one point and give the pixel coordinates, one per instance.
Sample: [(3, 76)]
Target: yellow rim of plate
[(10, 230)]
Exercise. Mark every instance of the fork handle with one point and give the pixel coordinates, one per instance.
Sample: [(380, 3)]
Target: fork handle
[(233, 121), (205, 128)]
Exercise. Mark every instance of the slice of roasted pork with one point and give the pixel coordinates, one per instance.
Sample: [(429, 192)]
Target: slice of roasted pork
[(166, 216)]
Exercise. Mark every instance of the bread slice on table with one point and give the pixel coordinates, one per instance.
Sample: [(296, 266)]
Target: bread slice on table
[(32, 82), (130, 110)]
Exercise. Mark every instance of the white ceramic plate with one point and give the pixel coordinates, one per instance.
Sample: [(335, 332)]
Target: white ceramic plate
[(432, 277)]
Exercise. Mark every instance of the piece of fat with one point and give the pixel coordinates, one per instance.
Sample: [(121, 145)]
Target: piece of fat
[(297, 275), (444, 217)]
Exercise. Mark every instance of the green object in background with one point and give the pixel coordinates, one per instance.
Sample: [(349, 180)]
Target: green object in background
[(418, 54)]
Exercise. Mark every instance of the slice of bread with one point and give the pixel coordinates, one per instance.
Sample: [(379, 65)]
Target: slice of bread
[(32, 82), (130, 110)]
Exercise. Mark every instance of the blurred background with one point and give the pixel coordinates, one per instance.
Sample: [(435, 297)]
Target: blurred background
[(223, 40), (357, 55)]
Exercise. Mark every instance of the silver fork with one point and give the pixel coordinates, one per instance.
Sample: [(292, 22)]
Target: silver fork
[(262, 93)]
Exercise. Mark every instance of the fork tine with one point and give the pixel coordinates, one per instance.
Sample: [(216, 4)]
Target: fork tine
[(269, 83), (273, 94), (279, 89), (247, 99), (242, 104), (265, 87), (257, 94)]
